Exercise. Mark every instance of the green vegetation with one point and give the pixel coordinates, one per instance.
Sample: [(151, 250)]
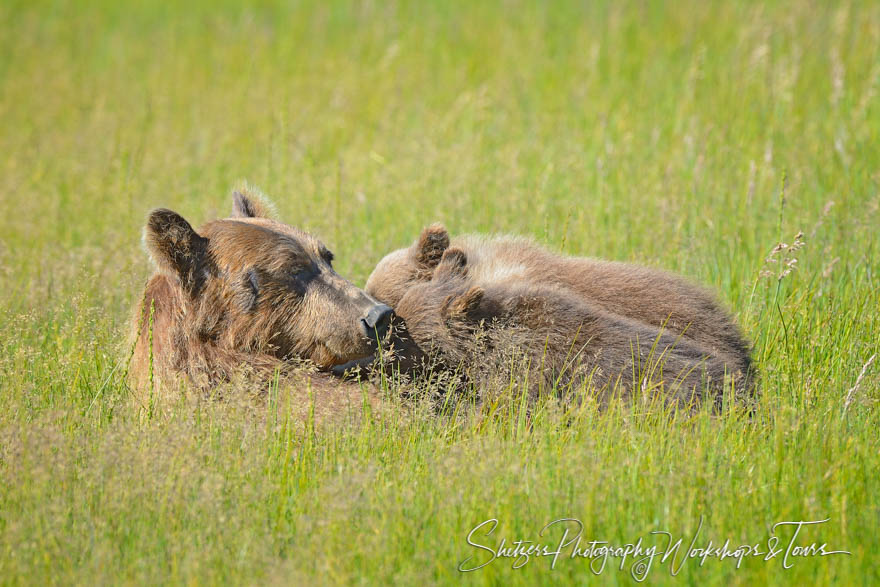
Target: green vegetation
[(661, 134)]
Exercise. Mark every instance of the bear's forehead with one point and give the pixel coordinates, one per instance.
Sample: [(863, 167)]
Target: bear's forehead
[(257, 241)]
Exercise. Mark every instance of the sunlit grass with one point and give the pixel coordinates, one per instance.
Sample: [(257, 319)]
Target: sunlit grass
[(653, 133)]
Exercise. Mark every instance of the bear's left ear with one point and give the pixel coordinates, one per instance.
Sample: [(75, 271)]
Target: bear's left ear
[(465, 306), (249, 207), (432, 242), (176, 248)]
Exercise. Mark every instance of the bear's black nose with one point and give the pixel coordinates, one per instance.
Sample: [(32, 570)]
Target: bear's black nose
[(377, 320)]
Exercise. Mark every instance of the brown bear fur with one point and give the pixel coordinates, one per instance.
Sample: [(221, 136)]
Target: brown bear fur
[(565, 339), (246, 293), (652, 297)]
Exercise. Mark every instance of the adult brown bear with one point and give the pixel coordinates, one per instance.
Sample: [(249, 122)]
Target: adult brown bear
[(244, 293)]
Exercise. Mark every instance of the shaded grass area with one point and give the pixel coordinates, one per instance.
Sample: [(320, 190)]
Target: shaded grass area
[(687, 136)]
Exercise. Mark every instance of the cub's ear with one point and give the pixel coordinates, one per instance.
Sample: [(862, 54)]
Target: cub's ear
[(452, 264), (464, 306), (244, 206), (176, 248), (432, 242)]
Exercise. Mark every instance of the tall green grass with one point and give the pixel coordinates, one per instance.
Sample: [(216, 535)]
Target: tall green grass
[(691, 136)]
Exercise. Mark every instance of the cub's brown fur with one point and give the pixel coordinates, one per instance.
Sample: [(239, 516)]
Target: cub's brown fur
[(651, 297), (242, 293), (564, 338)]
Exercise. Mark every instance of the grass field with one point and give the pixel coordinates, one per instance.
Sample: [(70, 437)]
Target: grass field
[(691, 136)]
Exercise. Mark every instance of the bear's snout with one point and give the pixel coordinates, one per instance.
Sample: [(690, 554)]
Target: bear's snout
[(376, 322)]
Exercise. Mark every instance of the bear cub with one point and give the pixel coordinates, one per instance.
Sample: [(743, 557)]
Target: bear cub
[(526, 292), (563, 339)]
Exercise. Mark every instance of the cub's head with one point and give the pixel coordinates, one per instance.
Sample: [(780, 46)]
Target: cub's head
[(398, 271), (252, 284), (444, 312)]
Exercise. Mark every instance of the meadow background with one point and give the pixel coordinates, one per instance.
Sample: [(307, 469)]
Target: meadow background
[(694, 136)]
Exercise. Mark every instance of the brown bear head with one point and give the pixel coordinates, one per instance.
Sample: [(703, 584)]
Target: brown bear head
[(398, 271), (255, 285)]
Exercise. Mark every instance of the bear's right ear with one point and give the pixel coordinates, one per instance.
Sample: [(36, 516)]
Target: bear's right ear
[(176, 248), (452, 264), (432, 242), (464, 306), (249, 207)]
